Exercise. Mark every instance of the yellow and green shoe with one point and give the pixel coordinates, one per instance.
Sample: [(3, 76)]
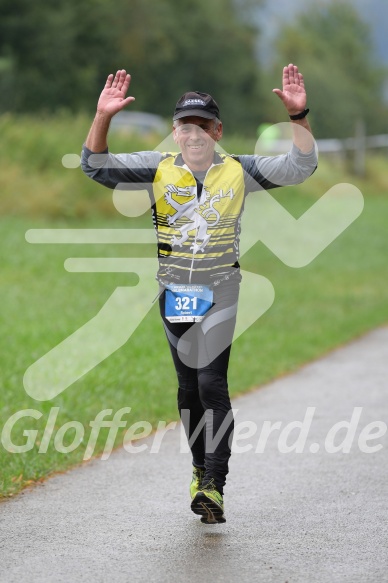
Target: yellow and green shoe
[(209, 504), (196, 481)]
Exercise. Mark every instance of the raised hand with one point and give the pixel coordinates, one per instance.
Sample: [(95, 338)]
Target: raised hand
[(294, 93), (112, 98)]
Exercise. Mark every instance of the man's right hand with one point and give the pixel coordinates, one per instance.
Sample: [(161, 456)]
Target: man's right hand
[(112, 98)]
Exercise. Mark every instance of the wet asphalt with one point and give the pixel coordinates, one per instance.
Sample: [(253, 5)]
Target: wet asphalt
[(305, 502)]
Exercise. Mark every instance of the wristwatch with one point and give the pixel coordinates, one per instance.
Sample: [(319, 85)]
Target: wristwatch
[(300, 115)]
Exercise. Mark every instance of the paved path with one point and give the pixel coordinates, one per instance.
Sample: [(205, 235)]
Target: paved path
[(296, 517)]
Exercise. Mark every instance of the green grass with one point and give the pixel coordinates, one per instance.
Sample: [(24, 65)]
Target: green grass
[(339, 296)]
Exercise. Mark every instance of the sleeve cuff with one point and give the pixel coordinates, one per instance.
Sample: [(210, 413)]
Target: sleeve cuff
[(89, 152)]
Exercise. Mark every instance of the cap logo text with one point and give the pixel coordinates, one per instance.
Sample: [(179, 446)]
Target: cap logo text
[(194, 102)]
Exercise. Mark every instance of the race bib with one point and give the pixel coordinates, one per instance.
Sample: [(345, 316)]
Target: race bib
[(187, 302)]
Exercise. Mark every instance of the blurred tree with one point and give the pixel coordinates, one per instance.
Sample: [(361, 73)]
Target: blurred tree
[(57, 53), (332, 47), (205, 46), (53, 52)]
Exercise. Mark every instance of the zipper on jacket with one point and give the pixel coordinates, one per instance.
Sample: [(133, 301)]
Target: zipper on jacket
[(196, 221), (196, 214)]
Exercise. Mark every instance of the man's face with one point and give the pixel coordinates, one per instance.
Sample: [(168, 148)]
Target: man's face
[(196, 137)]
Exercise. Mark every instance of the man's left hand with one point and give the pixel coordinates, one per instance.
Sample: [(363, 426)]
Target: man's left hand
[(294, 93)]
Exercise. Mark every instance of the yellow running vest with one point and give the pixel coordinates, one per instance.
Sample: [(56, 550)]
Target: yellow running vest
[(198, 229)]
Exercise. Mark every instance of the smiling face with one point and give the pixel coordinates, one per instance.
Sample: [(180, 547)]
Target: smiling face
[(197, 137)]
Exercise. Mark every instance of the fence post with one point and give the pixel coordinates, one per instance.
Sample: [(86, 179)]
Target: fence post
[(359, 148)]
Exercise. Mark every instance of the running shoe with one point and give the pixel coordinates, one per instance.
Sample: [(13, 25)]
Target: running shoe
[(196, 481), (209, 504)]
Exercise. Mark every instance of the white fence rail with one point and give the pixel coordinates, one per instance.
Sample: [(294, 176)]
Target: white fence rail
[(335, 145), (358, 145), (380, 141)]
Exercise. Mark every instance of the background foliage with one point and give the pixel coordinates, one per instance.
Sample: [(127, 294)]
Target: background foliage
[(344, 80), (56, 54)]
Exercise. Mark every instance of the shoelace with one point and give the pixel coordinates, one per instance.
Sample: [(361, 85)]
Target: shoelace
[(199, 473), (210, 485)]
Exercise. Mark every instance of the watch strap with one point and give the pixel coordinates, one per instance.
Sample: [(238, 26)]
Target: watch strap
[(300, 115)]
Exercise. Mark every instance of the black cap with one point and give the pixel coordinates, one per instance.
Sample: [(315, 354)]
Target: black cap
[(196, 103)]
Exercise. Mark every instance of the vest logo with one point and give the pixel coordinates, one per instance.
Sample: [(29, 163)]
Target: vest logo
[(197, 211)]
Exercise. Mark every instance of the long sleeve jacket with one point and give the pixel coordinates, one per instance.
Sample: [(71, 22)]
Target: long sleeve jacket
[(197, 217)]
